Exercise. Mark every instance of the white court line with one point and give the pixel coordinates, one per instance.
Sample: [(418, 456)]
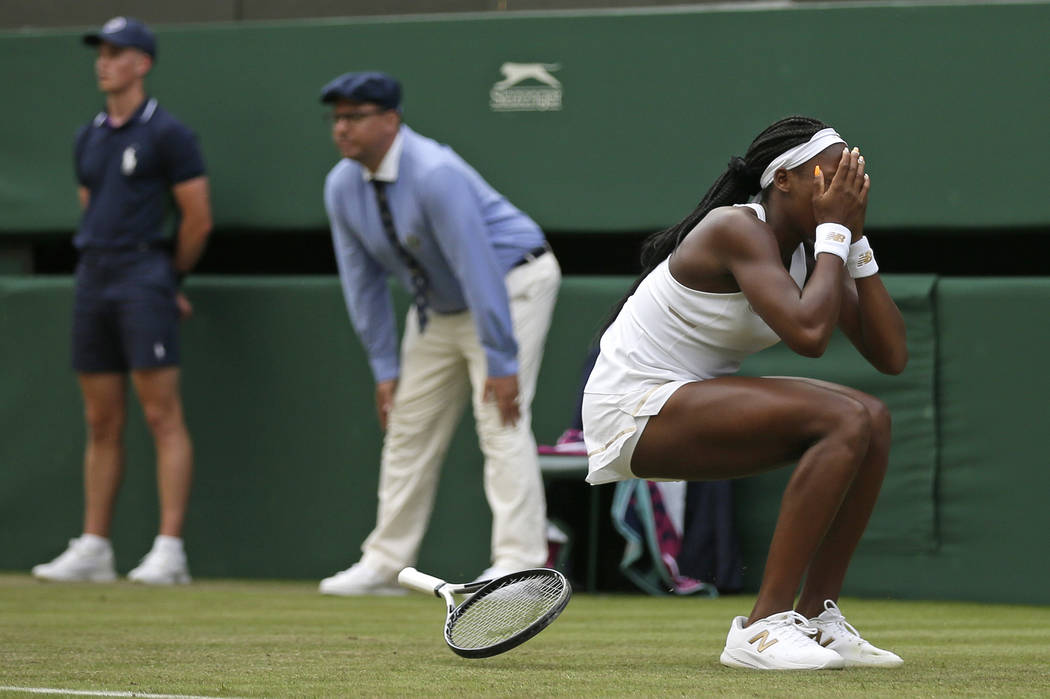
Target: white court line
[(93, 693)]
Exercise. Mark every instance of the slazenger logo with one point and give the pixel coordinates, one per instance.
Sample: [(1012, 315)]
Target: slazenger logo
[(510, 95)]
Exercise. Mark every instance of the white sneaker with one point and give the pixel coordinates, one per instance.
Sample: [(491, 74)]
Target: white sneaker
[(358, 579), (781, 641), (88, 558), (165, 564), (835, 633)]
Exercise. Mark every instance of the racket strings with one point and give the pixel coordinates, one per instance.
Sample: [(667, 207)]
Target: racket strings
[(506, 611)]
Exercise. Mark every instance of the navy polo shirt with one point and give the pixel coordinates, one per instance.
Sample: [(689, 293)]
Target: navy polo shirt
[(130, 171)]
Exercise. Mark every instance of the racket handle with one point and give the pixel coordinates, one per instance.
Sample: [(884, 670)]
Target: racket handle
[(421, 582)]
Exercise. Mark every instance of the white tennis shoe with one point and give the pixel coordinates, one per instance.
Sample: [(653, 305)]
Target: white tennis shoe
[(165, 564), (837, 634), (782, 641), (88, 558), (359, 579), (493, 572)]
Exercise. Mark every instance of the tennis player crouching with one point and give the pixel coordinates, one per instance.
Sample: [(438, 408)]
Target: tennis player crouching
[(731, 279)]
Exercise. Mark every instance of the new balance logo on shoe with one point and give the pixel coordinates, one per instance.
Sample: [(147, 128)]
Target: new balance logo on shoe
[(781, 641), (763, 641), (820, 635)]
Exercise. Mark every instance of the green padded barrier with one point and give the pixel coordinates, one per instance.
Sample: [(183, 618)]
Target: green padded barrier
[(41, 500), (993, 475), (279, 400), (653, 104), (994, 459)]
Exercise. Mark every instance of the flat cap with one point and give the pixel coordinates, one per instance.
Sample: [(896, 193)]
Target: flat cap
[(378, 88), (124, 31)]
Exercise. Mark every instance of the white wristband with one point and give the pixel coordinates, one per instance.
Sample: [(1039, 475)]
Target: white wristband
[(833, 238), (861, 260)]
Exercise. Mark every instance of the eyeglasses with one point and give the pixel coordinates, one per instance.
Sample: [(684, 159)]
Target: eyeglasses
[(351, 117)]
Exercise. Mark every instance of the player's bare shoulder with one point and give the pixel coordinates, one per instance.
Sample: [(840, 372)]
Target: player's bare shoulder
[(702, 260), (732, 232), (736, 227)]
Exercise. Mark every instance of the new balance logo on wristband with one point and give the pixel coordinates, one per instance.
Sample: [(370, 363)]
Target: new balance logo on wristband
[(833, 238), (864, 259)]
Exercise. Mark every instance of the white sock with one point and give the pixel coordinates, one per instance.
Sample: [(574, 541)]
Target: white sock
[(168, 544), (94, 542)]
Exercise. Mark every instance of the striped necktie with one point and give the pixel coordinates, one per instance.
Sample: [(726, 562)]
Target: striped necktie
[(419, 277)]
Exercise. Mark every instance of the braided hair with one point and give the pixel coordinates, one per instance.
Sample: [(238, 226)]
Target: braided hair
[(736, 185)]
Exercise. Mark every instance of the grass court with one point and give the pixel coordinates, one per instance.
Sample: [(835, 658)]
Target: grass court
[(283, 639)]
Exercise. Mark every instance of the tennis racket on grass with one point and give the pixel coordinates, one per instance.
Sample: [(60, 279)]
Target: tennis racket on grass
[(500, 614)]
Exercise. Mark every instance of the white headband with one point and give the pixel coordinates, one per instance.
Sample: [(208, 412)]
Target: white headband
[(800, 154)]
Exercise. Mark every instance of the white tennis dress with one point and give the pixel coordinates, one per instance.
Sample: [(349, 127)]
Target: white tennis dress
[(666, 335)]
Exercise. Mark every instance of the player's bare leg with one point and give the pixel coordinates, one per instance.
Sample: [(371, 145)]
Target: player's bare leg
[(820, 593), (740, 426), (828, 568)]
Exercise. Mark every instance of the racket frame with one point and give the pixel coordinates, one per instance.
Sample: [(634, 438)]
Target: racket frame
[(410, 577)]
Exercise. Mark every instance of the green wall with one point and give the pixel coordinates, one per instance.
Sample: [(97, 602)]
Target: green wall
[(948, 102), (279, 400)]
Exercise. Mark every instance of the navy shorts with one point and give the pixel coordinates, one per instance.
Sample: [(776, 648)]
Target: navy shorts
[(124, 311)]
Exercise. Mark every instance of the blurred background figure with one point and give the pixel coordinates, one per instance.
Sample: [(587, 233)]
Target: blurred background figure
[(483, 283), (129, 160)]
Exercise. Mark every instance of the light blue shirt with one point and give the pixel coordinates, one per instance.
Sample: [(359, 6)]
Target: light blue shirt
[(461, 231)]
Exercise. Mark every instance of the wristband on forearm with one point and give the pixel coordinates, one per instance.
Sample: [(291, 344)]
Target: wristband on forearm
[(861, 260), (833, 238)]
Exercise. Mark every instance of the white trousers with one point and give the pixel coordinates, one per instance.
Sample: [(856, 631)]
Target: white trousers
[(439, 370)]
